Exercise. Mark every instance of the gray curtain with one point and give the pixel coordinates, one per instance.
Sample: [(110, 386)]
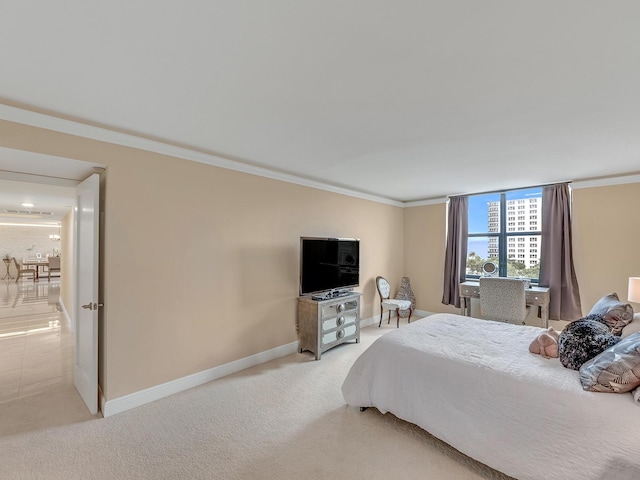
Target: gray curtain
[(455, 260), (556, 267)]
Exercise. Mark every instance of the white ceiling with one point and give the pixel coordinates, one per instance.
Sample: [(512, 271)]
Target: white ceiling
[(406, 100), (45, 181), (51, 202)]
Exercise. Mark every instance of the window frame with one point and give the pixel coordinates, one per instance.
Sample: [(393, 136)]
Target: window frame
[(502, 235)]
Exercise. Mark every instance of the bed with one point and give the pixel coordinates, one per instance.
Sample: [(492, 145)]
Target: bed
[(473, 384)]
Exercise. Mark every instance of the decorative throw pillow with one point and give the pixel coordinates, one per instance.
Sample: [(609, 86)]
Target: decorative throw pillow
[(616, 313), (545, 344), (633, 327), (615, 370), (583, 339)]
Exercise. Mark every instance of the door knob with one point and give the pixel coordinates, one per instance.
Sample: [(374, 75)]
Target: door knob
[(93, 306)]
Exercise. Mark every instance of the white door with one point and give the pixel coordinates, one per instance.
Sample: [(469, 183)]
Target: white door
[(85, 372)]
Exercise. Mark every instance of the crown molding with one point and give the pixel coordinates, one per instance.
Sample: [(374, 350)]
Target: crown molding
[(61, 125), (605, 181), (429, 201)]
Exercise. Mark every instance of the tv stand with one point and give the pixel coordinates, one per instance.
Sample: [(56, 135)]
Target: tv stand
[(324, 324)]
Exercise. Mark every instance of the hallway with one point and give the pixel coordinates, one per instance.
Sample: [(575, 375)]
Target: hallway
[(36, 346)]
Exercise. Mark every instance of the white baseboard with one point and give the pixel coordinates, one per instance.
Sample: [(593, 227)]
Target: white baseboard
[(127, 402), (121, 404), (66, 314), (375, 320), (365, 322)]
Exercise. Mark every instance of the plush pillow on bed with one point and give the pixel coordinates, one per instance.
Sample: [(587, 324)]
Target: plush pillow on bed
[(545, 344), (583, 339), (615, 370), (633, 327), (616, 313)]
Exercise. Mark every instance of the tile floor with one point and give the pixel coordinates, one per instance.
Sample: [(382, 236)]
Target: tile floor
[(36, 346)]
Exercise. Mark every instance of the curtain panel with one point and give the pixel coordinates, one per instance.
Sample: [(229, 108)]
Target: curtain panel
[(556, 266), (455, 261)]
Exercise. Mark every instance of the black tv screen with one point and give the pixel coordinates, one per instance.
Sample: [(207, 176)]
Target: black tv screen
[(328, 263)]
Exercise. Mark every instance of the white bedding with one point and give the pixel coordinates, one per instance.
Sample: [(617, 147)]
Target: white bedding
[(474, 384)]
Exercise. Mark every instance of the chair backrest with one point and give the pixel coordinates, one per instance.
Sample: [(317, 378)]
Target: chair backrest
[(15, 262), (503, 299), (384, 289), (54, 262)]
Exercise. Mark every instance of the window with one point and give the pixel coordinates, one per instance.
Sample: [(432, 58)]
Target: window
[(494, 232)]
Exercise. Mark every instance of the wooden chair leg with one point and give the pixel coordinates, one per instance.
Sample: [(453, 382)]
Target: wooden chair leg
[(381, 311), (410, 313), (398, 317), (389, 319)]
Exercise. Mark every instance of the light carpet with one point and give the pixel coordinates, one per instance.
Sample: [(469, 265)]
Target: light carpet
[(281, 420)]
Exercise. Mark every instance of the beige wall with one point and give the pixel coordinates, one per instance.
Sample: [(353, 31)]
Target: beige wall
[(200, 264), (424, 247), (606, 236)]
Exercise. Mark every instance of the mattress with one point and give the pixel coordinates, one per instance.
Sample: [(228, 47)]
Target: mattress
[(475, 385)]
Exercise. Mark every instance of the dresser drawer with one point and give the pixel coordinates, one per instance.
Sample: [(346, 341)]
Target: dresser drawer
[(336, 309), (342, 319), (338, 335)]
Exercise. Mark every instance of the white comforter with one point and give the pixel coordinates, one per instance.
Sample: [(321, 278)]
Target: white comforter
[(474, 384)]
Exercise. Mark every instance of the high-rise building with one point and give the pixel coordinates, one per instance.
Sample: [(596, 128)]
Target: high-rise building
[(523, 215)]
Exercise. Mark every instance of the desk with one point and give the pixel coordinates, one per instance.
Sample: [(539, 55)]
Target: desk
[(535, 296), (27, 262)]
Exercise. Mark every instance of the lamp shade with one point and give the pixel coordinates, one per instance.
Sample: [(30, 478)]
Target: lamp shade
[(634, 290)]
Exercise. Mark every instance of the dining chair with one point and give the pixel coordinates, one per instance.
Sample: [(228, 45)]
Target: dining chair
[(503, 299), (54, 265), (387, 303), (23, 271)]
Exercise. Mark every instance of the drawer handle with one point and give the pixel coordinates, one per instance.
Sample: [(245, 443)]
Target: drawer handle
[(340, 308), (340, 321), (339, 334)]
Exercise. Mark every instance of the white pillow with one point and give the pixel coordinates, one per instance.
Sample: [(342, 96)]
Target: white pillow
[(633, 327)]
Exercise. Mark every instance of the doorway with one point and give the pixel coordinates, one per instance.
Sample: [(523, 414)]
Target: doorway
[(39, 315)]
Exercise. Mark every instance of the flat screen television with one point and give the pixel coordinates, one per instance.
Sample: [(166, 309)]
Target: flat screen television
[(328, 264)]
